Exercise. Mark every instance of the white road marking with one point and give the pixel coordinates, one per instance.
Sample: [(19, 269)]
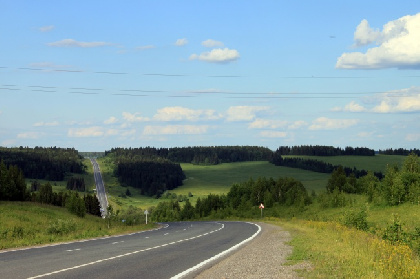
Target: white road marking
[(119, 256), (182, 274)]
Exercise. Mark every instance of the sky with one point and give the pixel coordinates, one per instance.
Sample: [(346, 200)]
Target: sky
[(93, 75)]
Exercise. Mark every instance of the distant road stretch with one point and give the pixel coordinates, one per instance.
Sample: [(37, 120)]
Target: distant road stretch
[(100, 187), (177, 250)]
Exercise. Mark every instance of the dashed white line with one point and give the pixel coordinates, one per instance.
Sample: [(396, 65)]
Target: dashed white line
[(119, 256)]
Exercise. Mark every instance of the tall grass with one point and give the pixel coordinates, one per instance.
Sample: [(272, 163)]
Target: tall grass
[(27, 224), (337, 251)]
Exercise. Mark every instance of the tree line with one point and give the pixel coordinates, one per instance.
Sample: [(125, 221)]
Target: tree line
[(317, 166), (400, 151), (322, 150), (50, 163), (204, 155)]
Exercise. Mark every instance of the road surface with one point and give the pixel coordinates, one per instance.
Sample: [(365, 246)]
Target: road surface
[(176, 250), (100, 187)]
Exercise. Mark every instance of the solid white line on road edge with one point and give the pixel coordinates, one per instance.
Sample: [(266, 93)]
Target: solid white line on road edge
[(182, 274), (119, 256)]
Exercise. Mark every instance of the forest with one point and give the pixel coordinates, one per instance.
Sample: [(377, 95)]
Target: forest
[(13, 188), (49, 163)]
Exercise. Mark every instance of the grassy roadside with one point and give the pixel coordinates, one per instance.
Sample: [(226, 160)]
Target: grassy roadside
[(27, 224), (336, 251)]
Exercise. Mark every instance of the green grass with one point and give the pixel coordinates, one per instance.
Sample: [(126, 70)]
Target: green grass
[(373, 163), (336, 251), (27, 224)]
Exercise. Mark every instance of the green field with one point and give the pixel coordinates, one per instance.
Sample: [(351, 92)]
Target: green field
[(372, 163)]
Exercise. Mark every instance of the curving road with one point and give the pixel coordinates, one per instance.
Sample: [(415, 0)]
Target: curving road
[(176, 250), (100, 187)]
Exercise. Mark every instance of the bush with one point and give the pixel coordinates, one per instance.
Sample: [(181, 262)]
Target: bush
[(356, 219), (61, 227)]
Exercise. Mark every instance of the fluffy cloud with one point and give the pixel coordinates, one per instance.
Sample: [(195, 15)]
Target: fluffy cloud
[(398, 45), (181, 113), (413, 137), (145, 47), (273, 134), (324, 123), (405, 100), (111, 120), (48, 124), (266, 123), (29, 135), (212, 43), (74, 43), (351, 107), (85, 132), (181, 42), (46, 28), (175, 130), (297, 124), (217, 55), (134, 117), (243, 113), (396, 101)]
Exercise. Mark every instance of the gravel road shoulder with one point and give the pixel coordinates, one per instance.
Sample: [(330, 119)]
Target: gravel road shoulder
[(264, 257)]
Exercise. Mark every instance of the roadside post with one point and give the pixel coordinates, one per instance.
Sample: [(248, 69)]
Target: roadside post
[(145, 213), (261, 207)]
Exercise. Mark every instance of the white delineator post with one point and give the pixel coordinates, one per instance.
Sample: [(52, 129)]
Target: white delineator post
[(145, 213), (261, 207)]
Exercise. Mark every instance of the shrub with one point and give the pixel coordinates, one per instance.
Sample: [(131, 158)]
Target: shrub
[(61, 227), (356, 219)]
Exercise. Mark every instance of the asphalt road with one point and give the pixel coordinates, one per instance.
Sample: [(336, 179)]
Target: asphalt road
[(100, 187), (176, 250)]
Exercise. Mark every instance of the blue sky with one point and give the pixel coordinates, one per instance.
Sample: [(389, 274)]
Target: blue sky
[(100, 74)]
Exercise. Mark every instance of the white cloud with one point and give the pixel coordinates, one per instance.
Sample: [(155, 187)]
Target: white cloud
[(181, 113), (404, 100), (297, 124), (85, 132), (365, 35), (217, 55), (145, 47), (243, 113), (181, 42), (398, 45), (47, 28), (29, 135), (267, 123), (413, 137), (351, 107), (40, 124), (273, 134), (324, 123), (212, 43), (74, 43), (134, 117), (175, 130), (111, 120)]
